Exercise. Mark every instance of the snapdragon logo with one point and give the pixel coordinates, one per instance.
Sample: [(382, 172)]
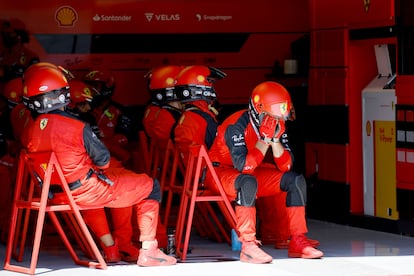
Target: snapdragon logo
[(213, 17), (161, 17)]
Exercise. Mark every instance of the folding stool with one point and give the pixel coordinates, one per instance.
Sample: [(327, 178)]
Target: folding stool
[(172, 183), (164, 163), (30, 197), (169, 179), (199, 164)]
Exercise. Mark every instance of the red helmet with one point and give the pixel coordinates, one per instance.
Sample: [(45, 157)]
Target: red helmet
[(196, 83), (33, 68), (102, 81), (45, 89), (270, 98), (161, 83), (80, 92), (13, 91)]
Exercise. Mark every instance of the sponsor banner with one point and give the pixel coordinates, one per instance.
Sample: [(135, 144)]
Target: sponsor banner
[(121, 16)]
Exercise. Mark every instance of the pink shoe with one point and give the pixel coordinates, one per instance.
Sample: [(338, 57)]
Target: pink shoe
[(251, 253), (300, 247), (151, 255)]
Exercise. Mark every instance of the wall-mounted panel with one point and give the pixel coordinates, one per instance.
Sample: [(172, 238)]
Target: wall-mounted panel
[(329, 48), (331, 14), (328, 86)]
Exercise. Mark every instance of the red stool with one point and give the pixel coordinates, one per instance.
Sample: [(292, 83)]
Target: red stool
[(194, 192), (32, 193), (172, 182)]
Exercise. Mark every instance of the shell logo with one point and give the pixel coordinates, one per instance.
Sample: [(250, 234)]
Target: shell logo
[(66, 16)]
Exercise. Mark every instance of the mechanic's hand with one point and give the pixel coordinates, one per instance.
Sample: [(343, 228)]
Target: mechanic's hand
[(267, 128)]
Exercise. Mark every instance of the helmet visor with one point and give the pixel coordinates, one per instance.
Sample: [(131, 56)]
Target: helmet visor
[(281, 111), (52, 100)]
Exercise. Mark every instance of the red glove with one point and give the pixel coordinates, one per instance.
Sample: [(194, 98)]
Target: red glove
[(267, 128), (280, 129)]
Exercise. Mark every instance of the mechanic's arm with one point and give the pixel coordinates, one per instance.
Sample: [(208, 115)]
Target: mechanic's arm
[(98, 152)]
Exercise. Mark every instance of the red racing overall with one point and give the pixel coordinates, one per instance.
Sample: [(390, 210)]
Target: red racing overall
[(78, 150), (197, 126), (235, 155)]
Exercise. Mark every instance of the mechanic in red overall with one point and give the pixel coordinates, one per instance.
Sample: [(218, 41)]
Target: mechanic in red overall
[(161, 114), (198, 123), (81, 95), (164, 110), (10, 145), (112, 122), (237, 154), (19, 115), (85, 160), (112, 126)]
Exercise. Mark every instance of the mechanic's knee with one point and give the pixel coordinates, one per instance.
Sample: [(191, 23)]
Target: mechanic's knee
[(295, 186), (246, 187), (156, 191)]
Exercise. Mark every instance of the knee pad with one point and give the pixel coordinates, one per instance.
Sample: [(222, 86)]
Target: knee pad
[(246, 187), (295, 186), (156, 191)]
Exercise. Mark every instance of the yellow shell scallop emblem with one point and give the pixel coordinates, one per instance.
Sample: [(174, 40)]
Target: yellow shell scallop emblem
[(66, 16)]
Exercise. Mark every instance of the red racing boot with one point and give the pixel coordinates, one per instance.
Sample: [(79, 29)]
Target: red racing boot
[(129, 253), (300, 247), (313, 243), (111, 253), (151, 255), (252, 253), (284, 244)]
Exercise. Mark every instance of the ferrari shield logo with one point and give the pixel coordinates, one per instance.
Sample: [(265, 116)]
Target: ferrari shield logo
[(43, 123), (283, 108), (366, 5)]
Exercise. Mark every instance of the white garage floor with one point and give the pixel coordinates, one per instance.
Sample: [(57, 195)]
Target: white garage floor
[(348, 251)]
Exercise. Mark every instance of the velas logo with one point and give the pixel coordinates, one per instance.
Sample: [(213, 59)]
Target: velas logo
[(66, 16), (150, 16)]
